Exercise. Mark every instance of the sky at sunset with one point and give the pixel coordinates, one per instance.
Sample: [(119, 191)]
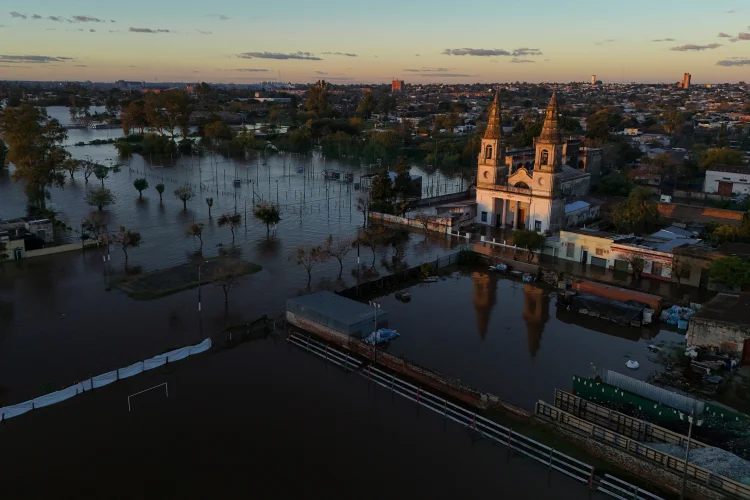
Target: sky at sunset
[(351, 41)]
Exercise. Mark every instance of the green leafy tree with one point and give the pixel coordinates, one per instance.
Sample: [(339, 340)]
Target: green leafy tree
[(673, 120), (268, 214), (92, 228), (100, 197), (366, 106), (71, 166), (184, 194), (36, 150), (720, 156), (232, 220), (101, 172), (317, 98), (530, 240), (731, 271), (635, 215), (140, 184), (160, 189), (615, 184), (636, 264), (403, 184), (381, 193)]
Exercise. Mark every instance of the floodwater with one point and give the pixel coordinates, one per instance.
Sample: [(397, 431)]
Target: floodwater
[(59, 320), (262, 419), (499, 335)]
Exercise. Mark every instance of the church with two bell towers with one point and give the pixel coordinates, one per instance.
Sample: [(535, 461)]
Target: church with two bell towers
[(526, 198)]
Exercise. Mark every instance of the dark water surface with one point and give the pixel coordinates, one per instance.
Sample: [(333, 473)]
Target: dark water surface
[(508, 338), (262, 420)]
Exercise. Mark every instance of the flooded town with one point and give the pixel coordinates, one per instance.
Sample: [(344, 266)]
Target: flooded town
[(543, 287)]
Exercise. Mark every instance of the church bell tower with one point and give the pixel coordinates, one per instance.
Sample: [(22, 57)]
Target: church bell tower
[(491, 161), (549, 152)]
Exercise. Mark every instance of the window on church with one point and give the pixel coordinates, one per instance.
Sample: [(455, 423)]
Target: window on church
[(484, 216), (545, 157), (538, 226), (488, 152)]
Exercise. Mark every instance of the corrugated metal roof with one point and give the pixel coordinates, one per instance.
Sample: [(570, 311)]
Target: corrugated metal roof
[(576, 205)]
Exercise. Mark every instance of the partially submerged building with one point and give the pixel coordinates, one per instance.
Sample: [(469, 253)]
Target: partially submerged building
[(722, 325)]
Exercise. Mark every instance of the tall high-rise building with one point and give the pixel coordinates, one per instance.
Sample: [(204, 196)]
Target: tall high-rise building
[(686, 81), (397, 86), (593, 79)]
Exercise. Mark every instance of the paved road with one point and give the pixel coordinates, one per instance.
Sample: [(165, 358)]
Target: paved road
[(260, 420)]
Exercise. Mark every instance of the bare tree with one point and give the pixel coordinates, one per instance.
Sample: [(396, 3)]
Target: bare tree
[(363, 205), (308, 256), (196, 230), (636, 263), (125, 239), (232, 220), (337, 248), (184, 194), (90, 227), (680, 269), (227, 278), (424, 220), (372, 237), (210, 203)]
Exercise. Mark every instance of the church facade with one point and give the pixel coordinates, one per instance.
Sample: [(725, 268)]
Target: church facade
[(526, 197)]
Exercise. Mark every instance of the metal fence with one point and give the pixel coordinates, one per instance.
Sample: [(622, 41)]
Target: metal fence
[(551, 458), (620, 422), (674, 464), (663, 396)]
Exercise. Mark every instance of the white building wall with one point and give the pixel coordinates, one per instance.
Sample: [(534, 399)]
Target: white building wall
[(741, 182)]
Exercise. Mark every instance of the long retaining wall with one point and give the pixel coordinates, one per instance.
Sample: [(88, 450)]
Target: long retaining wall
[(28, 254)]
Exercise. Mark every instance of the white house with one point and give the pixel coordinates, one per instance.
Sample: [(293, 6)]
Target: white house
[(727, 180)]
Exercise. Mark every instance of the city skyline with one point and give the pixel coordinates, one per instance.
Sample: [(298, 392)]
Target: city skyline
[(353, 42)]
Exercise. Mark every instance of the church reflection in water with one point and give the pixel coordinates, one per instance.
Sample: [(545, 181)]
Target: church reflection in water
[(535, 308)]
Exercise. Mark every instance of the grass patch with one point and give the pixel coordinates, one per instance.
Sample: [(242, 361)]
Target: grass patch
[(162, 282)]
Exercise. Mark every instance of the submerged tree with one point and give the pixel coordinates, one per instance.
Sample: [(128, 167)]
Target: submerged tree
[(140, 184), (210, 203), (232, 220), (184, 194), (100, 197), (196, 230), (338, 248), (160, 189), (125, 238), (308, 256), (530, 240), (36, 150), (227, 278), (268, 214)]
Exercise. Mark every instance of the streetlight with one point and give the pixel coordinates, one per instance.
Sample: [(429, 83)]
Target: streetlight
[(199, 284), (687, 451)]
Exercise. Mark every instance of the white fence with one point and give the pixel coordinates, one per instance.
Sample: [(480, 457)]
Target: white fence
[(551, 458), (103, 379)]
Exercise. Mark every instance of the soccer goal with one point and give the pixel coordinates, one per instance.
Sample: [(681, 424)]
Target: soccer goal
[(166, 392)]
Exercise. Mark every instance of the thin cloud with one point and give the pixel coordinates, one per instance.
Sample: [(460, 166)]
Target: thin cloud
[(222, 17), (608, 40), (147, 30), (732, 11), (14, 66), (57, 19), (527, 52), (278, 55), (476, 52), (417, 55), (696, 48), (80, 66), (516, 60), (251, 70), (112, 21), (743, 36), (737, 61), (321, 73), (33, 59), (724, 35), (18, 15), (347, 54), (448, 75), (35, 16), (663, 40), (87, 19), (204, 32), (427, 70)]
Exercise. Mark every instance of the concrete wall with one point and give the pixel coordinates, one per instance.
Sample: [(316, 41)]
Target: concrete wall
[(439, 224), (724, 337), (57, 249), (582, 215)]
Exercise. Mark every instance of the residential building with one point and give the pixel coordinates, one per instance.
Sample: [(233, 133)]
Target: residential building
[(727, 180), (721, 324), (397, 86)]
